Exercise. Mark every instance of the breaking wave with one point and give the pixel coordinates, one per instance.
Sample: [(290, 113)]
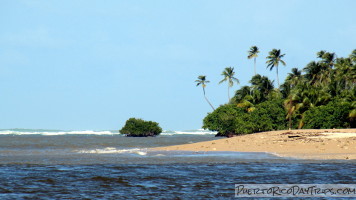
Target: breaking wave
[(111, 150), (190, 132), (53, 132)]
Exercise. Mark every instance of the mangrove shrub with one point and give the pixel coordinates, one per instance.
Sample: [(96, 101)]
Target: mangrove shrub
[(140, 128), (332, 115), (231, 119)]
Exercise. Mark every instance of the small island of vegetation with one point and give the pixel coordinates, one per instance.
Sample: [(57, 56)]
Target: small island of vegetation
[(140, 128)]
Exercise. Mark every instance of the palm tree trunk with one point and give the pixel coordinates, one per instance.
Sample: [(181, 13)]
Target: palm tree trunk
[(290, 112), (209, 103), (208, 100), (228, 93), (277, 76), (255, 65)]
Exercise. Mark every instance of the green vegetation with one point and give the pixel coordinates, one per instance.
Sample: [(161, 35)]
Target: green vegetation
[(230, 119), (140, 128), (332, 115), (321, 95), (226, 119)]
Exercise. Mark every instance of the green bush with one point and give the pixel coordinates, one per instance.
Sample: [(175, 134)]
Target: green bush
[(223, 119), (244, 124), (140, 128), (268, 116), (230, 119), (332, 115)]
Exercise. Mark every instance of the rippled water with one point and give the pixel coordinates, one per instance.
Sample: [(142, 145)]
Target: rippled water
[(91, 166), (167, 181)]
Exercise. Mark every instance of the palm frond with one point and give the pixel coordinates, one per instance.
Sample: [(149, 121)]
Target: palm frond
[(223, 80), (253, 52)]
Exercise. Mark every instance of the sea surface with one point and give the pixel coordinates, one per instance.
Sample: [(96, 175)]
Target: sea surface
[(56, 164)]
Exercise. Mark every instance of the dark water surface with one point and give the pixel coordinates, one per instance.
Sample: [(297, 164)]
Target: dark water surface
[(165, 181), (115, 167)]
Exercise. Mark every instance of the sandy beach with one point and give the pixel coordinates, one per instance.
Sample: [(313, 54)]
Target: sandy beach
[(305, 144)]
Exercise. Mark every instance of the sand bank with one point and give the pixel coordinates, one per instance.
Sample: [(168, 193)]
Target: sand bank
[(305, 144)]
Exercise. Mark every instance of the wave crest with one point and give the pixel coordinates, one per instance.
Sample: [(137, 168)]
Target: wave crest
[(53, 132), (190, 132), (112, 150)]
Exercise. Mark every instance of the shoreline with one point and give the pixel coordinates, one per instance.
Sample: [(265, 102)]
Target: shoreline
[(320, 144)]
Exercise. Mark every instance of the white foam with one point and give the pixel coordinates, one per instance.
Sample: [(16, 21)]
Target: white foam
[(193, 132), (51, 133), (113, 150)]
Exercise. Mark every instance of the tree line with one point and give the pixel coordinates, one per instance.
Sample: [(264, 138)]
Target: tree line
[(321, 95)]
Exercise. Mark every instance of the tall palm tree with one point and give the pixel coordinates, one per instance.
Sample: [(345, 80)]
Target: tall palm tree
[(202, 81), (253, 53), (273, 60), (228, 74)]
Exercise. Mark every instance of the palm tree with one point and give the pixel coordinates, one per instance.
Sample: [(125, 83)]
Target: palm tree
[(261, 88), (274, 58), (290, 106), (353, 56), (345, 74), (320, 54), (292, 80), (317, 73), (294, 77), (202, 81), (228, 74), (304, 97), (253, 53), (242, 93), (326, 57), (313, 71)]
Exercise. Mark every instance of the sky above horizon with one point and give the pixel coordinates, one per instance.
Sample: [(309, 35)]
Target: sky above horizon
[(91, 65)]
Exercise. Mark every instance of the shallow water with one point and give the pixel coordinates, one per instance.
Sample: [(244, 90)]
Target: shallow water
[(92, 166)]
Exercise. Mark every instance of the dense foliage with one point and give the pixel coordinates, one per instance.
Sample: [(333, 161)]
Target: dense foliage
[(268, 116), (321, 95), (226, 119), (333, 115), (230, 119), (140, 128)]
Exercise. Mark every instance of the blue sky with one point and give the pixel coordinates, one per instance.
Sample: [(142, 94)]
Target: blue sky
[(87, 64)]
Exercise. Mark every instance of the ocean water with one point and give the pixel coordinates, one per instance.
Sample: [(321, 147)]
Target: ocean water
[(55, 164)]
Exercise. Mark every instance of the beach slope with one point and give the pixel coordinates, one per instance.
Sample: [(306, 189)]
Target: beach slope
[(304, 144)]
